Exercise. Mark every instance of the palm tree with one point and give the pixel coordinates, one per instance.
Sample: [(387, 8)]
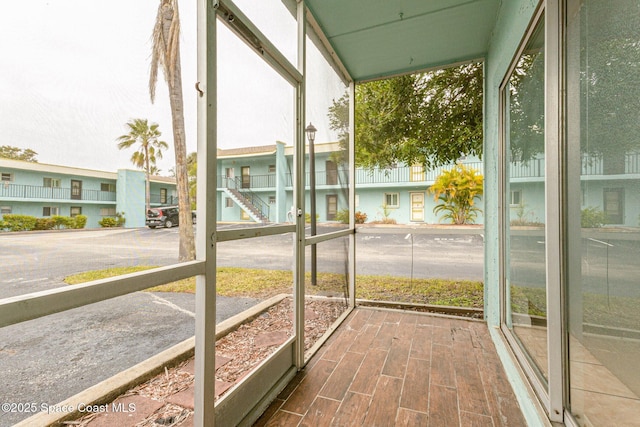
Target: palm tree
[(148, 152), (166, 53)]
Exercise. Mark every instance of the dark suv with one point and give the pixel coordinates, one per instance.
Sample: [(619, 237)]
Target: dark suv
[(166, 216)]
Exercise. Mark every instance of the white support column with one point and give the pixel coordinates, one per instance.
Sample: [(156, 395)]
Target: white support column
[(554, 213), (205, 237), (352, 194), (299, 192)]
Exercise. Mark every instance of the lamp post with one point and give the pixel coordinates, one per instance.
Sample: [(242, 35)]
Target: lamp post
[(311, 136)]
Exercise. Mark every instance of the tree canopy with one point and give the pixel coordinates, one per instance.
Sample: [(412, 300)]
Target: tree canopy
[(16, 153), (429, 118), (149, 150)]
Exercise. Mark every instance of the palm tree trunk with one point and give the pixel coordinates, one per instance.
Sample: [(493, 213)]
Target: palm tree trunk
[(187, 246), (147, 190)]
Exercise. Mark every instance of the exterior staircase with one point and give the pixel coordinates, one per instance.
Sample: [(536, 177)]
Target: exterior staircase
[(247, 200)]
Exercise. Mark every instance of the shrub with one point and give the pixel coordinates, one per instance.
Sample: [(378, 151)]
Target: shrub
[(592, 218), (44, 224), (120, 219), (15, 222), (307, 217), (61, 222), (457, 189), (108, 222), (79, 221), (343, 216)]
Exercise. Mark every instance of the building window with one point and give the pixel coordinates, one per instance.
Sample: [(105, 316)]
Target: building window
[(51, 182), (272, 200), (228, 202), (50, 210), (106, 186), (516, 197), (392, 200), (75, 211), (7, 176), (107, 211), (272, 168), (163, 195), (5, 210)]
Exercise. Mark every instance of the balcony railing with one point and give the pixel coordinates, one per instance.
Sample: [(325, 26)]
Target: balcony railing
[(534, 168), (255, 181), (35, 192)]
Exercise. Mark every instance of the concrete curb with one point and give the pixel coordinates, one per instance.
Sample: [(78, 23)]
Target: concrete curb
[(109, 389)]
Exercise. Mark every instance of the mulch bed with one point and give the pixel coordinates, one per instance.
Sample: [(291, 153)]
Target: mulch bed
[(237, 354)]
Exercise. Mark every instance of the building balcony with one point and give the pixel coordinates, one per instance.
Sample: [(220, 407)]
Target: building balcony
[(28, 193)]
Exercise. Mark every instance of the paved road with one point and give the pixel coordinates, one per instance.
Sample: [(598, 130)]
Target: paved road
[(92, 343)]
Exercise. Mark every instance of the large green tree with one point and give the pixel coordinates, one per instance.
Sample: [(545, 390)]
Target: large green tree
[(429, 118), (16, 153), (149, 149), (165, 54)]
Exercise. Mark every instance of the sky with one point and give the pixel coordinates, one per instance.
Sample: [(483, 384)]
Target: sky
[(74, 72)]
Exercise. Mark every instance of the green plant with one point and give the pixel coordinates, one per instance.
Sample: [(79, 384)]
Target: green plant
[(108, 222), (307, 217), (343, 216), (120, 219), (16, 222), (61, 222), (44, 224), (457, 190), (79, 221), (524, 217), (592, 218), (386, 216)]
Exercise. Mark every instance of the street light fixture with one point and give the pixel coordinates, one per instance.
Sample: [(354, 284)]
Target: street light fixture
[(311, 136)]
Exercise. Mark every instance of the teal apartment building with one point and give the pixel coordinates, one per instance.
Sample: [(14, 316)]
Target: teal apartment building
[(43, 190), (255, 184)]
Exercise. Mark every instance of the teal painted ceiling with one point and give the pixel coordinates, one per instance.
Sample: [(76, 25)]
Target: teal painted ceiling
[(377, 38)]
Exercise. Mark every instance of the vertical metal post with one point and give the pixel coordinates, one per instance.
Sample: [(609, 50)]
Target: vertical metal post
[(312, 202), (205, 328)]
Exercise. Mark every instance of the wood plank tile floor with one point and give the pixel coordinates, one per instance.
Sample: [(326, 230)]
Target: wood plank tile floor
[(394, 368)]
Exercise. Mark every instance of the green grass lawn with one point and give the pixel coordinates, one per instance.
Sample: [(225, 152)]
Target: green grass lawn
[(245, 282), (614, 312), (255, 283)]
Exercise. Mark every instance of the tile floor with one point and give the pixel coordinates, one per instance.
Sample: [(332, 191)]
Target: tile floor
[(391, 368)]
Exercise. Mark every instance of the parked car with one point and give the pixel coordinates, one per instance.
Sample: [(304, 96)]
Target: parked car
[(165, 216)]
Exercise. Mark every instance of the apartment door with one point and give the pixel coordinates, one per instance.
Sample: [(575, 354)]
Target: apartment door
[(417, 207), (332, 206), (76, 189), (332, 172), (246, 177), (614, 205)]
